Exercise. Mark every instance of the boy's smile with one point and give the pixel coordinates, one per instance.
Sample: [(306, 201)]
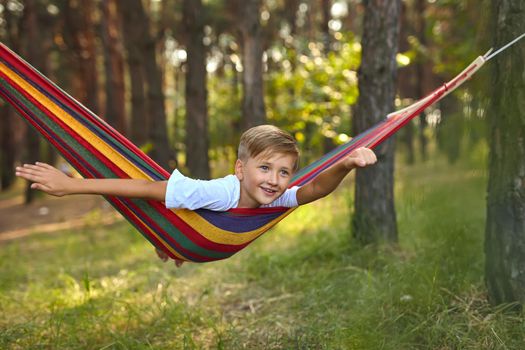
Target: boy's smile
[(263, 178)]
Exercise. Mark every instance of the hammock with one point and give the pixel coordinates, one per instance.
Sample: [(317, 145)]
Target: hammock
[(96, 150)]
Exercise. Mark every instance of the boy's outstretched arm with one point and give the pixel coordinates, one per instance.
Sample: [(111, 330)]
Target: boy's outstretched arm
[(49, 179), (328, 180)]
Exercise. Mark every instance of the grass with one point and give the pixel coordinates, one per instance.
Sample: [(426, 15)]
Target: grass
[(304, 285)]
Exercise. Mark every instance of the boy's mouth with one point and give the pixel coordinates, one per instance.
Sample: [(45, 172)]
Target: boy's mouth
[(269, 190)]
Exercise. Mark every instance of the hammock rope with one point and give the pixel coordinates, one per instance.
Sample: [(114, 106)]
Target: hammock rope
[(96, 150)]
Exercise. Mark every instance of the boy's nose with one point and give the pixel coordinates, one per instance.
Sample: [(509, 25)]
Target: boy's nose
[(272, 178)]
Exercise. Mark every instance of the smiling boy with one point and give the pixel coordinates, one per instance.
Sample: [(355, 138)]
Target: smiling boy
[(267, 159)]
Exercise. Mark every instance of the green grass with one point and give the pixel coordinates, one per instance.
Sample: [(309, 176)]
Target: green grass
[(304, 285)]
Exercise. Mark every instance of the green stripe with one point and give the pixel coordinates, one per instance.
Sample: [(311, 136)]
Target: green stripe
[(148, 210)]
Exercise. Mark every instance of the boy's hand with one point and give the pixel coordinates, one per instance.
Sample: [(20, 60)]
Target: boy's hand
[(360, 158), (46, 178)]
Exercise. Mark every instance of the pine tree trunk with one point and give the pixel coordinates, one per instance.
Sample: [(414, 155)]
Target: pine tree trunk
[(35, 55), (407, 80), (115, 113), (7, 148), (326, 6), (505, 228), (132, 30), (157, 128), (253, 109), (422, 70), (10, 127), (80, 37), (197, 140), (375, 218)]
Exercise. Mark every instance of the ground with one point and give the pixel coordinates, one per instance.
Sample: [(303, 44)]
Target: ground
[(47, 214)]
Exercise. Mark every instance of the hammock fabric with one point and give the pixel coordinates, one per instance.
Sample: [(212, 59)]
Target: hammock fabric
[(96, 150)]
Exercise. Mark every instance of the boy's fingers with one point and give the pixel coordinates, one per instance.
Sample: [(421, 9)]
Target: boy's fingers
[(28, 176), (32, 168), (45, 166)]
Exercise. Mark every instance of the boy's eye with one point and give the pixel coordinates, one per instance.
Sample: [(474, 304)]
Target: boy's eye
[(264, 168), (284, 173)]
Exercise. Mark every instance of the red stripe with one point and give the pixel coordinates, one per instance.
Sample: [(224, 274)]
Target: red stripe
[(70, 154), (330, 161), (194, 235), (110, 165), (186, 229), (129, 209), (124, 209), (39, 80), (436, 95)]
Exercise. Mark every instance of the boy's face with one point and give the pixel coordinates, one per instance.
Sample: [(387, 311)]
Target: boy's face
[(264, 178)]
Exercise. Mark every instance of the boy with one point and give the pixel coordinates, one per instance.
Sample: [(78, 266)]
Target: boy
[(267, 160)]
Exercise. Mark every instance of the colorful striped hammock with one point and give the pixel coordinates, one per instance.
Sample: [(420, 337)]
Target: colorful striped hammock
[(96, 150)]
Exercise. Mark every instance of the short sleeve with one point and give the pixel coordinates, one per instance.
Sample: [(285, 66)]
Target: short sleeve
[(218, 194), (288, 199)]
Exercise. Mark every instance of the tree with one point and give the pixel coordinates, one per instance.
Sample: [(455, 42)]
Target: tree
[(37, 55), (253, 109), (131, 35), (374, 218), (10, 124), (197, 140), (113, 66), (141, 46), (79, 34), (505, 227)]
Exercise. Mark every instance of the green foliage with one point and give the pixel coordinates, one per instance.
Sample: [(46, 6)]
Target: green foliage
[(311, 94), (302, 285)]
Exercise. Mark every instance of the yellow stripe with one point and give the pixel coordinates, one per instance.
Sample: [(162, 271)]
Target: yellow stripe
[(202, 226), (121, 162)]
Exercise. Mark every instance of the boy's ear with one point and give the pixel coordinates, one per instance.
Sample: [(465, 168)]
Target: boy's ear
[(239, 169)]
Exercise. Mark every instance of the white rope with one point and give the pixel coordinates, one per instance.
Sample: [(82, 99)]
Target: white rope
[(489, 55)]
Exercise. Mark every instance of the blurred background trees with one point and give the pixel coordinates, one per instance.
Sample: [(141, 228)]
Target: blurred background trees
[(182, 79)]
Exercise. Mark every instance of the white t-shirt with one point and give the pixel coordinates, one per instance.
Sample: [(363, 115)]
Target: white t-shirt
[(219, 194)]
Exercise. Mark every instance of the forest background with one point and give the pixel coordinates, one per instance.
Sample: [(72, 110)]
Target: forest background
[(182, 79)]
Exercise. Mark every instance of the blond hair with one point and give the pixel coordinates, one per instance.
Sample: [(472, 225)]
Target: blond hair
[(267, 139)]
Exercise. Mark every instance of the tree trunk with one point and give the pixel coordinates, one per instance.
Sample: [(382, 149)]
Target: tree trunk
[(137, 23), (422, 69), (505, 229), (115, 113), (132, 30), (79, 33), (36, 55), (158, 133), (407, 81), (326, 6), (197, 140), (253, 110), (7, 148), (375, 218), (10, 127)]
